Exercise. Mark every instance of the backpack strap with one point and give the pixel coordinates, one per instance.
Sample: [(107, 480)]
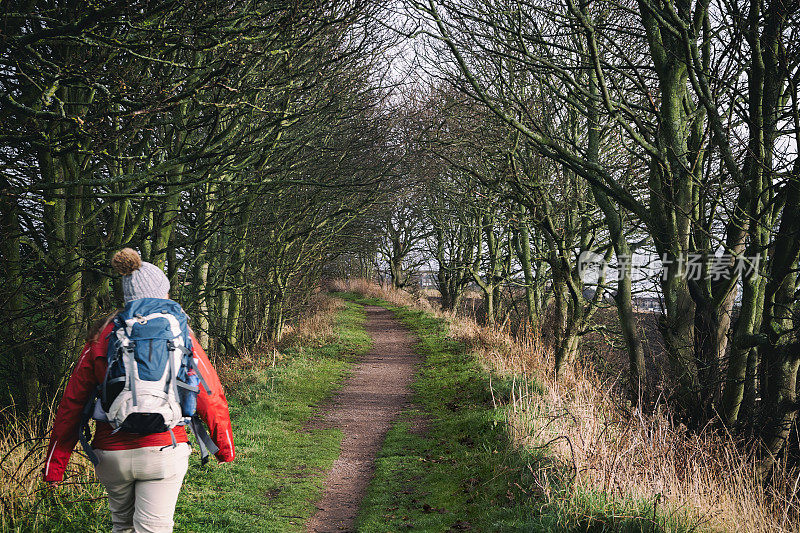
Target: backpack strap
[(127, 352), (84, 432), (190, 388), (132, 375), (111, 362), (207, 446), (199, 374), (173, 377), (194, 366)]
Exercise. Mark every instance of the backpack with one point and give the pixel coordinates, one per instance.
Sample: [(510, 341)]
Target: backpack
[(152, 380)]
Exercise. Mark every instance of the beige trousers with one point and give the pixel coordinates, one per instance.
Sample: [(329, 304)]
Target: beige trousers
[(143, 486)]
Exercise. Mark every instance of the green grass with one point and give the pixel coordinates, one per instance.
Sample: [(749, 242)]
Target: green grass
[(279, 468), (463, 473)]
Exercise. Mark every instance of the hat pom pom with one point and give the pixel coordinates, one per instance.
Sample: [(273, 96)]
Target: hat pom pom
[(126, 261)]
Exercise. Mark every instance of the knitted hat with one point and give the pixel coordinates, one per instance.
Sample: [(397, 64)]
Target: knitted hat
[(139, 278)]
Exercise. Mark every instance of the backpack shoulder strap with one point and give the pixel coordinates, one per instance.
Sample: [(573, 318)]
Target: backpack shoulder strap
[(84, 433), (200, 375), (207, 446)]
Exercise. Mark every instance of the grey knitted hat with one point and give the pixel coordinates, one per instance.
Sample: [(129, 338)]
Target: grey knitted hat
[(139, 278)]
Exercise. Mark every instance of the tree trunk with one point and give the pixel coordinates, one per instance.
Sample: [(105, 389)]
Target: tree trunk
[(24, 365), (637, 373), (743, 355), (523, 249), (780, 357)]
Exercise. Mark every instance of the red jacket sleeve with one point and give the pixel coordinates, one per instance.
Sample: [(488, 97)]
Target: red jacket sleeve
[(81, 385), (213, 408)]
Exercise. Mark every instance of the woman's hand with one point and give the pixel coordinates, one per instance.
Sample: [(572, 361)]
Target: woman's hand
[(52, 486)]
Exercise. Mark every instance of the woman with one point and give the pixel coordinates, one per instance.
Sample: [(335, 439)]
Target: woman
[(142, 473)]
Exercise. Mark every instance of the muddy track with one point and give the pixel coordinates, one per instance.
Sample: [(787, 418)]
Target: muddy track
[(370, 400)]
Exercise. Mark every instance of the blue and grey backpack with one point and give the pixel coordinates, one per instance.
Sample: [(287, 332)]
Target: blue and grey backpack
[(152, 381)]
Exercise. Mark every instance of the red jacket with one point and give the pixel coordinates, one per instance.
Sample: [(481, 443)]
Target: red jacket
[(89, 373)]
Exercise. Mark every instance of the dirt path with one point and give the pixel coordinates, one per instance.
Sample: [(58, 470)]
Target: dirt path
[(371, 399)]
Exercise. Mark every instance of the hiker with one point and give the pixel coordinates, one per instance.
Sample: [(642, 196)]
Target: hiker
[(143, 376)]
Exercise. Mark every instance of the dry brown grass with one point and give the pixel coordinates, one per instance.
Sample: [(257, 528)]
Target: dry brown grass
[(602, 445), (315, 329), (317, 325), (23, 446), (628, 454), (384, 292)]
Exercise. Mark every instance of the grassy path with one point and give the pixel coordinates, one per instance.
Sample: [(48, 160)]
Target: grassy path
[(459, 473), (365, 408), (279, 470)]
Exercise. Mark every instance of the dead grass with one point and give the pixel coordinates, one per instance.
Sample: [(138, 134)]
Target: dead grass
[(703, 476), (384, 292), (314, 329), (23, 446), (317, 325), (702, 480)]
